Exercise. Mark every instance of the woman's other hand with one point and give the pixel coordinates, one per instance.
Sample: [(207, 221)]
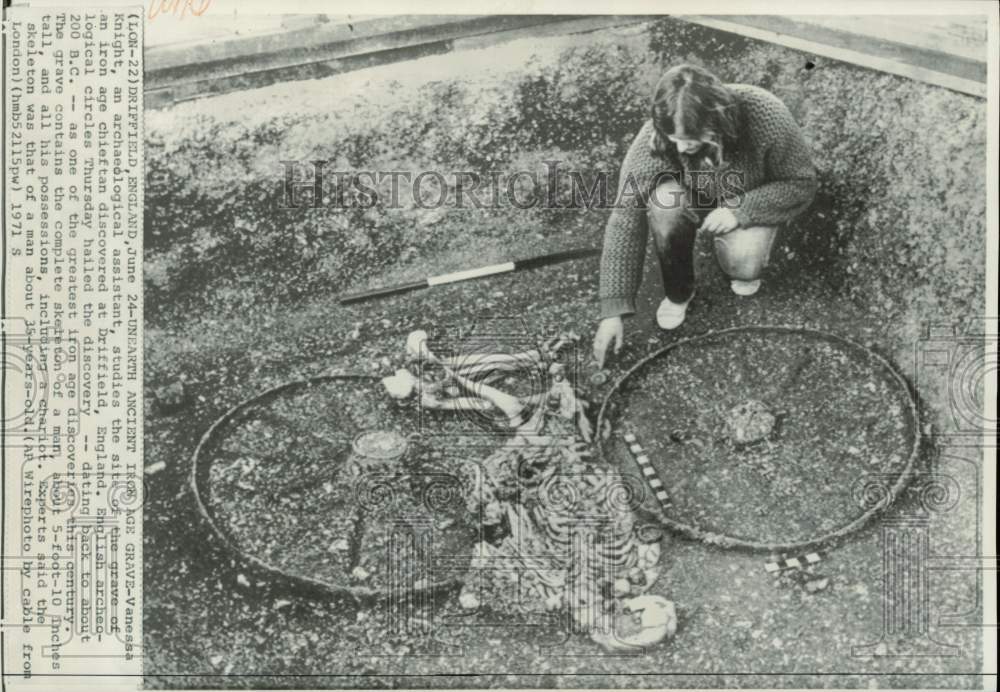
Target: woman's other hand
[(610, 331), (720, 221)]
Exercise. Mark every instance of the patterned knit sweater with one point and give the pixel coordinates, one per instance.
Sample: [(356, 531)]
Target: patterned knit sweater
[(772, 165)]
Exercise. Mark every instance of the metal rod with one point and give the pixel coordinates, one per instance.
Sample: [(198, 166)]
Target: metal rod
[(468, 274)]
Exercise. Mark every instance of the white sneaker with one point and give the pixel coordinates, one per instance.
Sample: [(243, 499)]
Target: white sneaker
[(670, 315), (745, 288)]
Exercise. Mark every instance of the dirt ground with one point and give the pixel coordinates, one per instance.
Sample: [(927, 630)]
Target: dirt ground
[(208, 624)]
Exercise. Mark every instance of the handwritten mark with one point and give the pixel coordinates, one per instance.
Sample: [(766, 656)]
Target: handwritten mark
[(178, 8)]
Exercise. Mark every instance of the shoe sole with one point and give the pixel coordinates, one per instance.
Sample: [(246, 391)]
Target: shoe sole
[(744, 291), (683, 316), (670, 327)]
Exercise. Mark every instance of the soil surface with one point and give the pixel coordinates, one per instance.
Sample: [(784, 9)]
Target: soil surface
[(738, 625)]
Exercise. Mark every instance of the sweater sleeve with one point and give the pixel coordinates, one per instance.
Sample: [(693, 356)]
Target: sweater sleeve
[(626, 233), (791, 176)]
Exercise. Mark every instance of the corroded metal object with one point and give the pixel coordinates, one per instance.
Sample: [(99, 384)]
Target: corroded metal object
[(749, 422)]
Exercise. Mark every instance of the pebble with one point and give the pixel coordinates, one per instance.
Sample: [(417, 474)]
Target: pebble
[(171, 397), (155, 468), (242, 581), (360, 573), (339, 545), (431, 217), (817, 585)]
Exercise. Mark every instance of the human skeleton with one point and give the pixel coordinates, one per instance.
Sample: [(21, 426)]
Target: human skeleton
[(559, 532)]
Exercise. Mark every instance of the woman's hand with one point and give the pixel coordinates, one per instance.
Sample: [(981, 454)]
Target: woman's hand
[(610, 330), (720, 221)]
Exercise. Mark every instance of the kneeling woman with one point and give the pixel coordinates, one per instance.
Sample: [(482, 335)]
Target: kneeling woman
[(727, 159)]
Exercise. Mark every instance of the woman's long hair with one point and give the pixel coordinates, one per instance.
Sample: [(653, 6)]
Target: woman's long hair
[(692, 102)]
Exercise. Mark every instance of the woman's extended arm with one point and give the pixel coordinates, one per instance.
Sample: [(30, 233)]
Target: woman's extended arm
[(626, 232)]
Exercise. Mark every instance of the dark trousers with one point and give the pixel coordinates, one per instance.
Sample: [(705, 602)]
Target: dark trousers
[(674, 227)]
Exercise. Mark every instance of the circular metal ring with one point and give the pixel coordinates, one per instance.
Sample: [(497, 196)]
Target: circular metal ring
[(199, 473), (892, 490)]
